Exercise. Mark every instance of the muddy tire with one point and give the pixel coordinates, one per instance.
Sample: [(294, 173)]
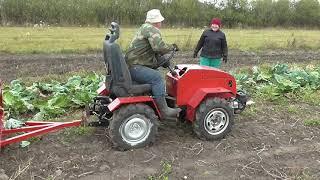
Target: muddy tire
[(214, 119), (133, 126)]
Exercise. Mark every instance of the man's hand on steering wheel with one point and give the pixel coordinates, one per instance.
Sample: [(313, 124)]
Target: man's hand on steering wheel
[(164, 60)]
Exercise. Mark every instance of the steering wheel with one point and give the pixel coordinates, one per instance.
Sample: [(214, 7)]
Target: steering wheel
[(165, 59)]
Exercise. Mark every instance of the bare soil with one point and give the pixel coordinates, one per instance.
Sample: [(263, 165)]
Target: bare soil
[(17, 66), (268, 140)]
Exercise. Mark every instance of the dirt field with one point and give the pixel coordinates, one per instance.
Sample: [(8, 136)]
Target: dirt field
[(268, 141), (17, 66)]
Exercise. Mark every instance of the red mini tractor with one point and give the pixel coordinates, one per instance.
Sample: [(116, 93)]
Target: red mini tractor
[(207, 96)]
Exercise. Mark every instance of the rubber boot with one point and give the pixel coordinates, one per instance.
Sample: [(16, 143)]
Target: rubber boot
[(167, 112)]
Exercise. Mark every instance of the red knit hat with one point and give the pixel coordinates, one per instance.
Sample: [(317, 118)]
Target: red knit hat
[(216, 21)]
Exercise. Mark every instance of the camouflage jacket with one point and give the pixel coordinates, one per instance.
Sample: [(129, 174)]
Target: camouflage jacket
[(145, 45)]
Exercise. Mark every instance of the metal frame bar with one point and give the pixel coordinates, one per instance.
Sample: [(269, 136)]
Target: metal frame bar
[(23, 129), (37, 132)]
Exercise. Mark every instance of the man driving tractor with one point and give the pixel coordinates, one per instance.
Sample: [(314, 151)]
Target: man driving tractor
[(141, 58)]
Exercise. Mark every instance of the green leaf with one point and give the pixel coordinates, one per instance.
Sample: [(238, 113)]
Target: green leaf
[(82, 98), (280, 69), (49, 112), (27, 104), (13, 123), (60, 101), (8, 98), (17, 86), (74, 82), (15, 103), (39, 116), (24, 144), (284, 84)]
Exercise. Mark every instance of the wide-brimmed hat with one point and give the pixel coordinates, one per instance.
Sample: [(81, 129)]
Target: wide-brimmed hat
[(154, 16)]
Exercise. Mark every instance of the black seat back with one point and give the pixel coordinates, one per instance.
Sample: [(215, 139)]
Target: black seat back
[(118, 79), (117, 67)]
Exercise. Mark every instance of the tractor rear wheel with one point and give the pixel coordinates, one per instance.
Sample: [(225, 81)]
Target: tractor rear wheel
[(133, 126), (214, 119)]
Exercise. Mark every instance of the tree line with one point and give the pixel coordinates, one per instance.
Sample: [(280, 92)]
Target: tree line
[(186, 13)]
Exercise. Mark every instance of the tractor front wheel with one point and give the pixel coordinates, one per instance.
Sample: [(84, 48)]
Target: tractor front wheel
[(214, 119), (133, 126)]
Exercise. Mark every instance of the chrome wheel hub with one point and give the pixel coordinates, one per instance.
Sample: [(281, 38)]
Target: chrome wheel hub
[(216, 121), (135, 129)]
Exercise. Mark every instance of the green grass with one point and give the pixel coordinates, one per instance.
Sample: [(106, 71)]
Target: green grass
[(251, 111), (164, 173), (311, 97), (29, 40), (312, 122), (293, 109), (70, 133)]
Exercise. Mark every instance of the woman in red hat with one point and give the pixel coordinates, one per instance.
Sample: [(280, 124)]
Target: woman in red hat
[(214, 46)]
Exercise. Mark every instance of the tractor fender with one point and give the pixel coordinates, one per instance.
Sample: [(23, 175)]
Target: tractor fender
[(201, 94), (118, 102)]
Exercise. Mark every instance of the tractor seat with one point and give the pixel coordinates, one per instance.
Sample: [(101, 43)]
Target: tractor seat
[(121, 84)]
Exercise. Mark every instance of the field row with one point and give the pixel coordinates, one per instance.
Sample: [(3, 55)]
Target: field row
[(85, 40)]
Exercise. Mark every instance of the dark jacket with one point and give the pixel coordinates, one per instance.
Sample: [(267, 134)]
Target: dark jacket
[(213, 44)]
